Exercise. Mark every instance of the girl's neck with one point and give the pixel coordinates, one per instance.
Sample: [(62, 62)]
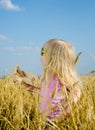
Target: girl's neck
[(50, 76)]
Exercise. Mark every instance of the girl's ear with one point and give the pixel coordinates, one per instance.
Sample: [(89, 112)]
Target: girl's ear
[(77, 57)]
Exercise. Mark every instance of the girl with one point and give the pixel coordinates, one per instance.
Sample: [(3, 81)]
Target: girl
[(60, 83)]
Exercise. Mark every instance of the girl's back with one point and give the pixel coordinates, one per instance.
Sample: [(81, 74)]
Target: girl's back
[(52, 100)]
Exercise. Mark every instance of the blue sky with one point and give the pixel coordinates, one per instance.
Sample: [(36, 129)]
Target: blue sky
[(26, 25)]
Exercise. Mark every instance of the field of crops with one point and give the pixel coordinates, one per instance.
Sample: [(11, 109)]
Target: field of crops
[(19, 109)]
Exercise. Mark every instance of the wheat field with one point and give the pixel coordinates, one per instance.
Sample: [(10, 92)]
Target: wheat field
[(19, 109)]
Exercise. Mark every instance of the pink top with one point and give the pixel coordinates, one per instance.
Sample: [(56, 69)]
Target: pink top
[(52, 96)]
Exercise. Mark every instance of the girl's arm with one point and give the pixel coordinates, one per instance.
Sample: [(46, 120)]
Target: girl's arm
[(77, 94), (31, 88)]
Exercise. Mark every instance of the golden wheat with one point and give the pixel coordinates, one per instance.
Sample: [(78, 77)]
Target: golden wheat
[(19, 109)]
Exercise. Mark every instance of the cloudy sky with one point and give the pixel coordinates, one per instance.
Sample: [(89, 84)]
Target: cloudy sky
[(26, 25)]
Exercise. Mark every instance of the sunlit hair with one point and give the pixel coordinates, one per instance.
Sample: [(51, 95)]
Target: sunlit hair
[(61, 61)]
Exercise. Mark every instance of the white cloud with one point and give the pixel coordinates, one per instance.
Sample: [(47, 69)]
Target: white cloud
[(3, 37), (20, 50), (17, 49), (9, 49), (8, 5)]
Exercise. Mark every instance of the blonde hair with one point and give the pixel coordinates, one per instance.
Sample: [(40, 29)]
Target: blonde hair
[(61, 61)]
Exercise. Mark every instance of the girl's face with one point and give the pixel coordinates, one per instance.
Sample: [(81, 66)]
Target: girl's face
[(44, 60)]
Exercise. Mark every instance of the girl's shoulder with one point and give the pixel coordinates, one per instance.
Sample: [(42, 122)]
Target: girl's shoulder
[(55, 82), (52, 82)]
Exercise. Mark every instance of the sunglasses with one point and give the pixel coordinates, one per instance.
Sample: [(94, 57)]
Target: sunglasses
[(43, 51)]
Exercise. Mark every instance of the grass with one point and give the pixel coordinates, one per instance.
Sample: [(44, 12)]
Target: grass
[(19, 109)]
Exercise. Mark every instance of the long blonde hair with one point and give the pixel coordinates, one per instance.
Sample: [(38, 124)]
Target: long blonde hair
[(61, 61)]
